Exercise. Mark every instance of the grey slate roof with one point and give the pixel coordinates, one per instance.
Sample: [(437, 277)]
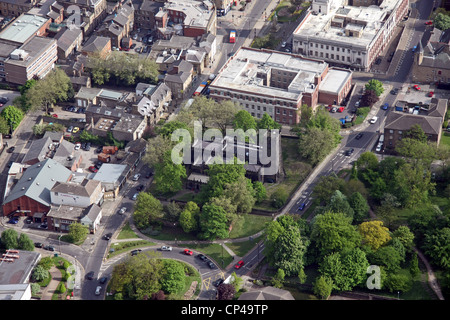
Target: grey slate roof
[(404, 121), (37, 181), (38, 150), (84, 189)]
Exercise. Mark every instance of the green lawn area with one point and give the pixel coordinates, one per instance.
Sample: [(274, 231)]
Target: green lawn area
[(127, 233), (252, 224), (445, 139), (363, 112), (120, 247), (214, 251), (291, 15), (242, 248)]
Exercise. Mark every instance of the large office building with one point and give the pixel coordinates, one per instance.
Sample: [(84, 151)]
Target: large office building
[(348, 35), (279, 83), (25, 52)]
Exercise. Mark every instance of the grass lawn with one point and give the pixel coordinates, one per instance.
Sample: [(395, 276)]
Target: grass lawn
[(127, 233), (252, 224), (120, 247), (242, 248), (445, 139), (363, 112), (289, 16)]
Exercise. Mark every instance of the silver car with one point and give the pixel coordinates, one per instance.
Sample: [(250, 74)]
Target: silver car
[(166, 248), (123, 210), (134, 197), (97, 290)]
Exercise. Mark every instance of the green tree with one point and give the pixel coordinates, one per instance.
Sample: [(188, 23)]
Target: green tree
[(387, 257), (315, 144), (376, 86), (278, 279), (268, 123), (244, 120), (9, 239), (397, 282), (333, 232), (189, 217), (158, 149), (290, 252), (359, 206), (5, 128), (302, 276), (339, 203), (213, 222), (437, 247), (326, 186), (40, 273), (173, 276), (404, 234), (416, 151), (279, 197), (323, 287), (442, 21), (416, 132), (77, 232), (374, 234), (259, 191), (25, 243), (13, 116), (168, 176), (240, 192), (146, 210)]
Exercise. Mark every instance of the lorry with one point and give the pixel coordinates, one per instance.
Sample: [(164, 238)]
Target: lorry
[(103, 157), (110, 149)]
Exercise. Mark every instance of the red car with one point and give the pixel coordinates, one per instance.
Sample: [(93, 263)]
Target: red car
[(416, 87), (54, 115), (239, 264), (341, 109), (429, 23), (93, 169), (430, 94), (188, 252)]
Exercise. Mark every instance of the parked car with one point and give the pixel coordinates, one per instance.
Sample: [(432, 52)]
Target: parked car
[(70, 129), (77, 146), (283, 44), (123, 210), (357, 103), (136, 177), (98, 290), (90, 275), (188, 252), (239, 264), (103, 280), (135, 252), (38, 245), (428, 23), (99, 149), (14, 220), (140, 187), (211, 264), (385, 106), (43, 226), (302, 206), (134, 197), (93, 169), (378, 148), (431, 93), (49, 248), (149, 174), (166, 248), (334, 109), (4, 100), (11, 150), (54, 115), (202, 257), (108, 236), (373, 120), (87, 147), (416, 87)]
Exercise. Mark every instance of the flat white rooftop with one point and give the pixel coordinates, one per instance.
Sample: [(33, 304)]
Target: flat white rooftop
[(248, 68), (367, 20), (334, 80), (21, 29)]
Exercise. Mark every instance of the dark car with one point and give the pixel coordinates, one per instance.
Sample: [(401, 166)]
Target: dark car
[(14, 220), (135, 252), (202, 257), (107, 236), (349, 152), (133, 46), (3, 100), (218, 282), (98, 164), (87, 147), (211, 264), (378, 61), (43, 226), (140, 188), (99, 149), (149, 174), (359, 136), (90, 275), (38, 245), (49, 248), (103, 280), (302, 206), (11, 150)]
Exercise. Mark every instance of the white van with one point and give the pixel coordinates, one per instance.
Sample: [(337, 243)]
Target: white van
[(381, 139), (373, 120)]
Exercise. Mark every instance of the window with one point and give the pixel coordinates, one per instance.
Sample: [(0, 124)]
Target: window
[(337, 57), (332, 48), (264, 108), (328, 47), (337, 49), (332, 56), (326, 55), (321, 46), (278, 111), (311, 44), (317, 45)]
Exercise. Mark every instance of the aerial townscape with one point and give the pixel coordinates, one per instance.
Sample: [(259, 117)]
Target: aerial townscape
[(206, 150)]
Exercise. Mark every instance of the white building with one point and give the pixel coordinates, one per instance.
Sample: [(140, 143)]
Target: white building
[(352, 36)]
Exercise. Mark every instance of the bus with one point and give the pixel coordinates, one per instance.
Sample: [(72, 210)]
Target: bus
[(232, 36)]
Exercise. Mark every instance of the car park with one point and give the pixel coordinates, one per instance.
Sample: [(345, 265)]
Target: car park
[(98, 290), (239, 264), (166, 248), (123, 210), (188, 252)]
